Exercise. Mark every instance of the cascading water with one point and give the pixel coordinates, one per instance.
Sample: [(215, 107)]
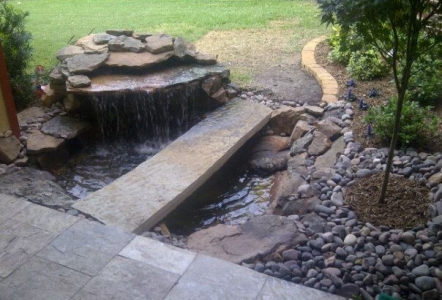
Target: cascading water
[(134, 126)]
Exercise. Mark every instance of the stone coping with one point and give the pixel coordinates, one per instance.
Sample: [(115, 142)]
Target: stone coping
[(328, 83)]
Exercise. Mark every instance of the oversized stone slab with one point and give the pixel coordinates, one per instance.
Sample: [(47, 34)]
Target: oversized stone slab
[(158, 254), (86, 246), (275, 289), (10, 205), (127, 279), (64, 127), (149, 81), (223, 281), (144, 196), (42, 280), (18, 243)]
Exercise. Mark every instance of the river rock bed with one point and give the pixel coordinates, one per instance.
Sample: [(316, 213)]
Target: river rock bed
[(340, 253)]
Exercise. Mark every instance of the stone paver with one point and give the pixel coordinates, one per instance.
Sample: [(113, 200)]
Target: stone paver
[(18, 243), (221, 280), (45, 219), (275, 289), (124, 278), (40, 279), (10, 205), (159, 255), (86, 246)]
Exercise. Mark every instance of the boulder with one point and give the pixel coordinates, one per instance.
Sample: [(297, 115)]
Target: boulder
[(159, 43), (78, 81), (220, 95), (126, 44), (136, 60), (315, 222), (65, 127), (300, 206), (118, 32), (301, 144), (211, 84), (319, 145), (284, 119), (329, 158), (38, 143), (205, 59), (329, 129), (85, 63), (256, 238), (69, 51), (36, 186), (183, 50), (102, 38), (284, 185), (314, 110), (90, 47), (30, 115), (301, 128), (9, 149)]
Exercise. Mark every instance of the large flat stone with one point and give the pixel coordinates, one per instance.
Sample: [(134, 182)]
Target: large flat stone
[(275, 289), (224, 281), (64, 127), (158, 254), (141, 198), (40, 279), (136, 60), (151, 80), (9, 149), (45, 218), (18, 243), (10, 206), (40, 143), (86, 246), (30, 115), (127, 279)]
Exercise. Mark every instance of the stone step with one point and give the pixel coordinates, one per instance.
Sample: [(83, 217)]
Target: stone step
[(140, 199)]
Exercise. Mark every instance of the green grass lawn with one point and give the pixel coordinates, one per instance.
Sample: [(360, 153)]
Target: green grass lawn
[(54, 22)]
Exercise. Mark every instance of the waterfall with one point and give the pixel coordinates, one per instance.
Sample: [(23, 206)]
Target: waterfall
[(139, 115)]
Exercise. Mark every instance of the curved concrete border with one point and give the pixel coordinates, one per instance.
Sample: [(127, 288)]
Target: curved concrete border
[(328, 83)]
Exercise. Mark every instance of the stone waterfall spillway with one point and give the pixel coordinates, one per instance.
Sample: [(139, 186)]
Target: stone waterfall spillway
[(143, 83)]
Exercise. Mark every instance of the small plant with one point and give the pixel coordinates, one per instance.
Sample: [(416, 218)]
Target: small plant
[(350, 96), (418, 125), (367, 65), (362, 104), (351, 83), (16, 42), (373, 93)]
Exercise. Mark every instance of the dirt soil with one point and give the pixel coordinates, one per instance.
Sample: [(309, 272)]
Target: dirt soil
[(265, 60)]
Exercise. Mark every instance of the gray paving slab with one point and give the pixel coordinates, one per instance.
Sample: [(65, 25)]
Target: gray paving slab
[(10, 205), (277, 289), (160, 255), (126, 279), (45, 218), (40, 279), (18, 242), (86, 246), (141, 198), (212, 278)]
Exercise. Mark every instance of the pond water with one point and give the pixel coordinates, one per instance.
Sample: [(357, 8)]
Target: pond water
[(231, 196)]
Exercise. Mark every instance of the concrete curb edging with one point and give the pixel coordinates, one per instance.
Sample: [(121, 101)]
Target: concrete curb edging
[(327, 82)]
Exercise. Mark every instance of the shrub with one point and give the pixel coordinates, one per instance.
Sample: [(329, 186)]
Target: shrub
[(18, 51), (418, 125), (343, 44), (425, 85), (366, 65)]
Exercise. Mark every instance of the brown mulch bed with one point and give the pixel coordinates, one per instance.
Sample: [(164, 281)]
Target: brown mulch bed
[(405, 206), (407, 201)]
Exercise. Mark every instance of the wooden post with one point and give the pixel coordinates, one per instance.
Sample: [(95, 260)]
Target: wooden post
[(5, 89)]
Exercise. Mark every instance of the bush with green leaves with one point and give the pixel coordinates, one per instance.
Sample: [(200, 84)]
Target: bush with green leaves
[(367, 65), (418, 124), (425, 85), (16, 43), (343, 44)]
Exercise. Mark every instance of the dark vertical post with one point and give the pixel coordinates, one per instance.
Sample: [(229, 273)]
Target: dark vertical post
[(7, 96)]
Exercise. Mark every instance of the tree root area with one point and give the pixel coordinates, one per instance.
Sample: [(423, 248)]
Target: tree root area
[(406, 204)]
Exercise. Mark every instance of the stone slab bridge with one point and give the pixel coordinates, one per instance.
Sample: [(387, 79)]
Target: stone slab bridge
[(140, 199)]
